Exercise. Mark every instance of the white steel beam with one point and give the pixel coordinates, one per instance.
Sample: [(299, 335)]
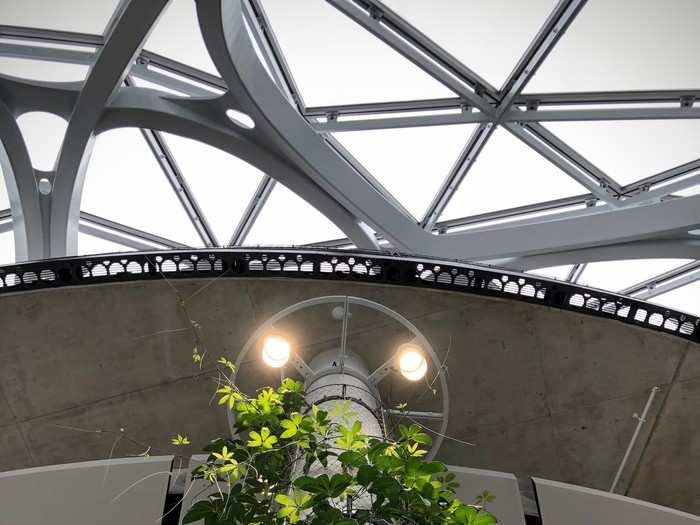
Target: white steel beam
[(121, 46)]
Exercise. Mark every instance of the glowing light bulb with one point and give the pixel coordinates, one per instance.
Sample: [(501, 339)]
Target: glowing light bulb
[(412, 363), (276, 351)]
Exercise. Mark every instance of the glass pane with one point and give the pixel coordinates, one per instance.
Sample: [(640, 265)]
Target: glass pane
[(626, 44), (618, 275), (80, 16), (177, 36), (287, 219), (508, 174), (90, 244), (42, 70), (491, 53), (411, 163), (686, 298), (222, 184), (43, 134), (631, 150), (139, 82), (336, 61), (124, 183), (7, 247), (554, 272)]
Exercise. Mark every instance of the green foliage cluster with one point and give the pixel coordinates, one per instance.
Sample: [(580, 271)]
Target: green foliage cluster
[(297, 464)]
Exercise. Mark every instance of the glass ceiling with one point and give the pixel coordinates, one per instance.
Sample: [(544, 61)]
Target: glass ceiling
[(398, 160), (177, 36), (351, 65), (92, 15), (625, 44), (632, 150), (482, 34), (621, 45), (618, 275), (286, 219), (504, 176)]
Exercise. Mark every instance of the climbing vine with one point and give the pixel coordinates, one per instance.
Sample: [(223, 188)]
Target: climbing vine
[(291, 463)]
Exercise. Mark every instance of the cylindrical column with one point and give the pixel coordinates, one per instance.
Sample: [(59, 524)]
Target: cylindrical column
[(329, 385)]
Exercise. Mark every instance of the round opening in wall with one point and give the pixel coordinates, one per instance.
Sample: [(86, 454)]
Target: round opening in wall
[(240, 119), (44, 186)]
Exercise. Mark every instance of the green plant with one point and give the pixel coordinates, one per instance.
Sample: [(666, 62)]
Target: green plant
[(297, 464)]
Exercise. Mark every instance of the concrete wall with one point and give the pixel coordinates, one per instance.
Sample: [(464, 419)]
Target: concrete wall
[(540, 392)]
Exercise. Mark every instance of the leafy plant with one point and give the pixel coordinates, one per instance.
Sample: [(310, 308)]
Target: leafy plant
[(291, 463)]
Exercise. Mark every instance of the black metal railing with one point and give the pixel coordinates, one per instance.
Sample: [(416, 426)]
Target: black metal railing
[(346, 266)]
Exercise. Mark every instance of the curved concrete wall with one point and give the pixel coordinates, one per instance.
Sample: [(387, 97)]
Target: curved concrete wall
[(541, 392)]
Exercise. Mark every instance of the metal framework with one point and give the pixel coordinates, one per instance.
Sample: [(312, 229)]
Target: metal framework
[(293, 144), (341, 265)]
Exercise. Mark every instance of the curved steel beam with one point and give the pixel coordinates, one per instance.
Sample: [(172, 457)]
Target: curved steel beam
[(205, 120), (671, 248), (593, 227), (281, 129), (122, 45), (23, 95), (27, 217)]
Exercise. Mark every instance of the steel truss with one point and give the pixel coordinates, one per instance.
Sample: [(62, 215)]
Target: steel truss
[(94, 107)]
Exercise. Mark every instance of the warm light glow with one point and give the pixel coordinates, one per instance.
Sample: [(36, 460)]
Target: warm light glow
[(276, 351), (412, 363)]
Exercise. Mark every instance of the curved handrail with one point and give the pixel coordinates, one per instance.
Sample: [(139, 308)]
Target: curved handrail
[(343, 265)]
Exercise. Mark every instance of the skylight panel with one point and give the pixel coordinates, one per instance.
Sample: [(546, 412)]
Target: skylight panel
[(90, 244), (631, 150), (686, 299), (222, 184), (176, 35), (79, 16), (554, 272), (125, 184), (483, 34), (625, 44), (508, 174), (411, 163), (287, 219), (43, 134), (335, 61), (140, 82), (7, 247), (42, 70), (618, 275)]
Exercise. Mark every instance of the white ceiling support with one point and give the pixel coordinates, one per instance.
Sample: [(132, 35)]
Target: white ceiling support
[(26, 203), (390, 19), (177, 181), (255, 206), (555, 26), (440, 70), (122, 44), (583, 177), (458, 172), (575, 272), (98, 225), (671, 247), (272, 53), (665, 176), (665, 282), (593, 227)]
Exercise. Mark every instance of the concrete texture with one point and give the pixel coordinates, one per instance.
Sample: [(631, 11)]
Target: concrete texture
[(540, 392)]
